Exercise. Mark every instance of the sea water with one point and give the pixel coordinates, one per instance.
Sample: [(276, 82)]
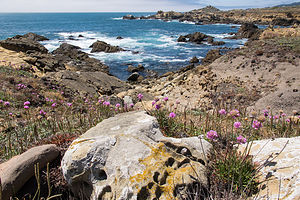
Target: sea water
[(154, 40)]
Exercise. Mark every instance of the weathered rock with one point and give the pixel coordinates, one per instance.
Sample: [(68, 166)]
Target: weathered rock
[(19, 43), (87, 83), (281, 172), (129, 17), (135, 76), (199, 38), (211, 56), (78, 60), (139, 68), (119, 38), (127, 157), (100, 46), (194, 60), (35, 37), (248, 30), (284, 22), (18, 170)]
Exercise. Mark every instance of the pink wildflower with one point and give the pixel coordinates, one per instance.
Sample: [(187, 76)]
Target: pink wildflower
[(166, 99), (69, 104), (288, 120), (118, 105), (172, 115), (26, 107), (237, 125), (6, 103), (131, 105), (157, 106), (53, 105), (241, 140), (212, 135), (42, 112), (222, 112), (153, 103), (256, 124), (140, 96), (106, 103), (26, 103)]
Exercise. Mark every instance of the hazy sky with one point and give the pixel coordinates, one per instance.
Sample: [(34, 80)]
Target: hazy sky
[(127, 5)]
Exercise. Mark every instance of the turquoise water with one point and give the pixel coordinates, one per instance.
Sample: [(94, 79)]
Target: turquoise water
[(155, 40)]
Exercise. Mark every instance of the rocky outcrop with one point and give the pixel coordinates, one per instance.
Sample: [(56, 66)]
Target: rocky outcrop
[(280, 171), (211, 56), (23, 44), (35, 37), (87, 83), (199, 38), (132, 68), (130, 17), (76, 60), (100, 46), (151, 166), (135, 76), (18, 170), (194, 60), (284, 22), (250, 31)]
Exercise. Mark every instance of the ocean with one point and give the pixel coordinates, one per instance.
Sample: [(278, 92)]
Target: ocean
[(155, 40)]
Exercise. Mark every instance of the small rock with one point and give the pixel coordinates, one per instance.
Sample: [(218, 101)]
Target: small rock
[(17, 171)]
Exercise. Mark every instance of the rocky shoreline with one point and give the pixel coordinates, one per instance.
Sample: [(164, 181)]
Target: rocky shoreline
[(283, 16)]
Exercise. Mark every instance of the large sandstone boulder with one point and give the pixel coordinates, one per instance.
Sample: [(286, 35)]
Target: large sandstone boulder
[(23, 44), (281, 171), (18, 170), (127, 157), (100, 46)]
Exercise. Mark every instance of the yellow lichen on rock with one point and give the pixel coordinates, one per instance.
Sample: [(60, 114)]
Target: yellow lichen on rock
[(164, 170)]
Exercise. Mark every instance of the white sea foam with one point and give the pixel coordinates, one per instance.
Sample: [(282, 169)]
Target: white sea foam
[(221, 36), (117, 18)]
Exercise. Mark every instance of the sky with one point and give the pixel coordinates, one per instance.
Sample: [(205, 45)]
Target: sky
[(128, 5)]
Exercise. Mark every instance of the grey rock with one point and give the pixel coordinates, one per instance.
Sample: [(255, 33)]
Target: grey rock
[(124, 154), (100, 46)]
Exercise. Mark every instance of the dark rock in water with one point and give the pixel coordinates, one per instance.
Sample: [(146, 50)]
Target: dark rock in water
[(194, 60), (77, 60), (87, 83), (247, 30), (20, 43), (218, 43), (199, 38), (181, 39), (196, 37), (80, 36), (100, 46), (129, 17), (35, 37), (132, 69), (211, 56), (135, 77), (71, 37), (119, 38), (135, 52)]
